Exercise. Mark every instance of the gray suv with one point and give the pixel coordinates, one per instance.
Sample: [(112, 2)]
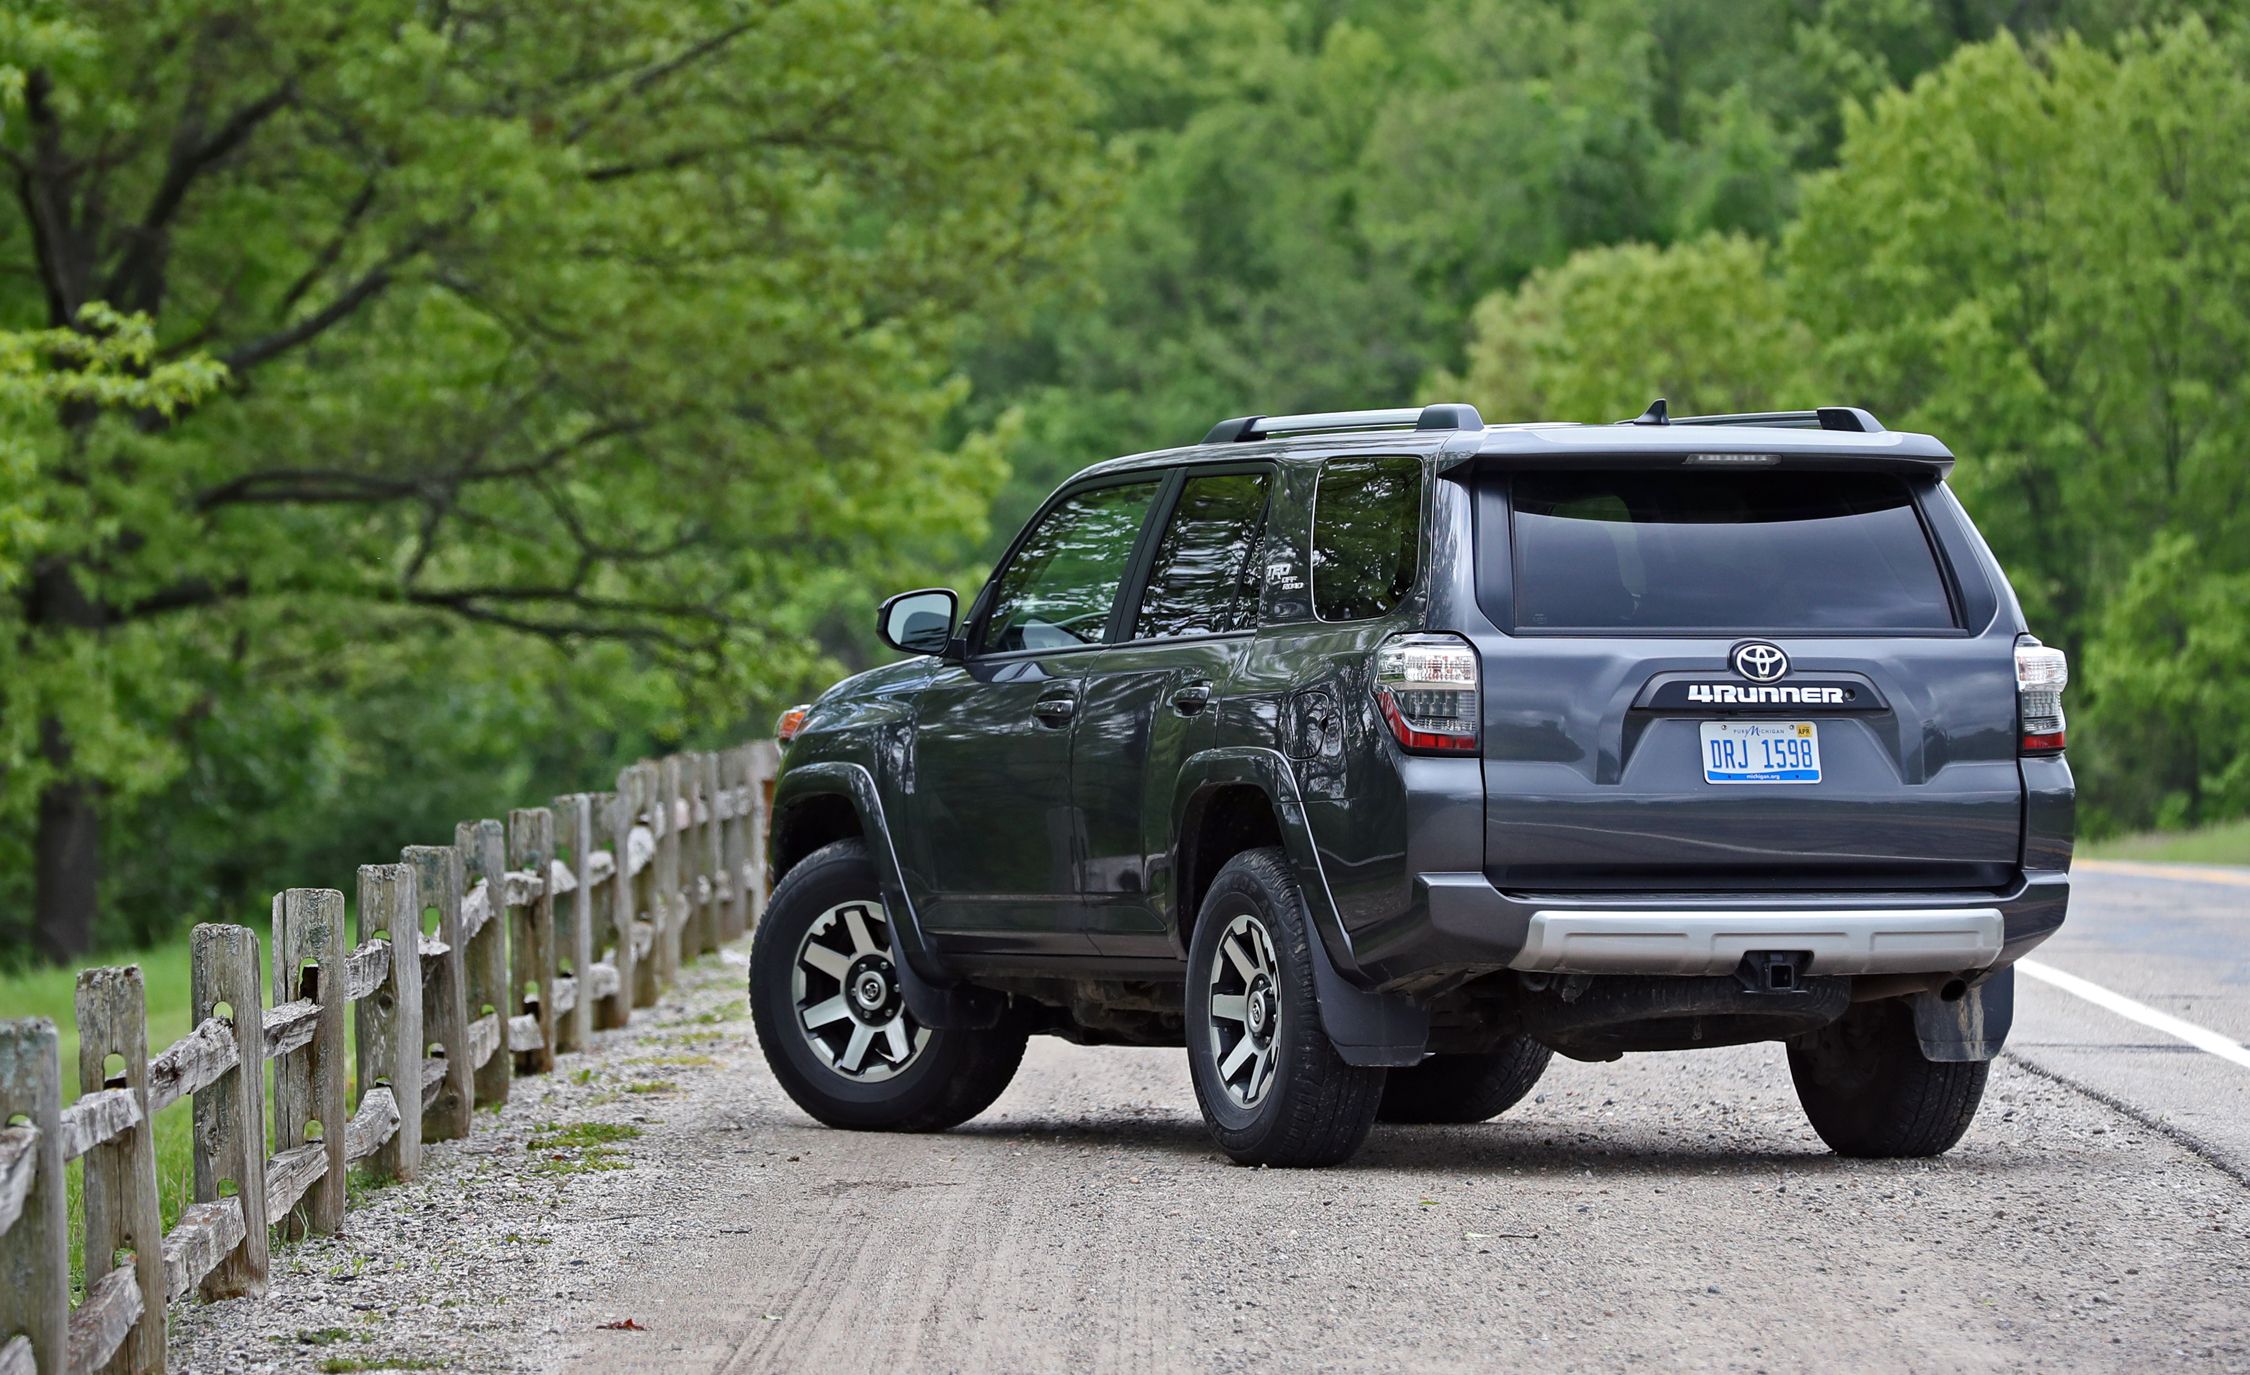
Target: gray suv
[(1374, 757)]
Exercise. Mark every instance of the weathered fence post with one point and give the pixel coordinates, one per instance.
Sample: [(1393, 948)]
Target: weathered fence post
[(308, 1085), (120, 1174), (643, 901), (483, 850), (694, 937), (574, 935), (765, 766), (713, 897), (390, 1018), (671, 927), (734, 913), (35, 1236), (445, 1003), (531, 931), (615, 814), (230, 1115)]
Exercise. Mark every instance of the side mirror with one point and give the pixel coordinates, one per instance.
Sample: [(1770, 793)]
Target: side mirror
[(919, 622)]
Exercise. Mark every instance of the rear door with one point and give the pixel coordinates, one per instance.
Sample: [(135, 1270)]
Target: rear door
[(1152, 700), (1739, 679)]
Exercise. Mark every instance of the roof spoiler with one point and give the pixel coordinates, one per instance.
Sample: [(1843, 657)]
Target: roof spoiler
[(1445, 415)]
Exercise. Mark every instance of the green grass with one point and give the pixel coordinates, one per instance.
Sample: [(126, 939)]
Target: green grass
[(2227, 842), (580, 1147)]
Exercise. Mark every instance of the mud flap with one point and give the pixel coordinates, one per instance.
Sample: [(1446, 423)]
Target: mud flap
[(1383, 1030), (1971, 1027), (947, 1008)]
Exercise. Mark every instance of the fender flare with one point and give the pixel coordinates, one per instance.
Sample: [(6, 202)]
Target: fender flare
[(936, 997), (1366, 1027)]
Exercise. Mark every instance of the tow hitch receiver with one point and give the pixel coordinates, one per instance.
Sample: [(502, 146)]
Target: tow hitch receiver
[(1773, 971)]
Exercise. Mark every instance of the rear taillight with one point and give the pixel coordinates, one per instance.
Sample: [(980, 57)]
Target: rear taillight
[(2041, 675), (793, 720), (1427, 688)]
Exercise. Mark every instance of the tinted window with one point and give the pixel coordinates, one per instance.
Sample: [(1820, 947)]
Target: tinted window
[(1723, 551), (1058, 590), (1367, 536), (1205, 578)]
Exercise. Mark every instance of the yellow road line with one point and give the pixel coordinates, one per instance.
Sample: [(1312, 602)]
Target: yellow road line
[(2195, 873)]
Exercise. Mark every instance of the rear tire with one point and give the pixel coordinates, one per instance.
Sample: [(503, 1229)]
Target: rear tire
[(1272, 1088), (1870, 1093), (830, 909), (1464, 1088)]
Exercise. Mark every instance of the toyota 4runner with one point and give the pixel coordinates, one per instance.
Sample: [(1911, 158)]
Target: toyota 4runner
[(1374, 757)]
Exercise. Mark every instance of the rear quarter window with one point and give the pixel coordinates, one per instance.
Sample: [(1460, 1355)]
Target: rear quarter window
[(1626, 550), (1366, 536)]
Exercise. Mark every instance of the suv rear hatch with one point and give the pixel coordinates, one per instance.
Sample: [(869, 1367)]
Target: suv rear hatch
[(1629, 746)]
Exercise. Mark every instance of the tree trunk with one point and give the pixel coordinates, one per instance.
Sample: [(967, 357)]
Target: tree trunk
[(68, 866), (67, 859)]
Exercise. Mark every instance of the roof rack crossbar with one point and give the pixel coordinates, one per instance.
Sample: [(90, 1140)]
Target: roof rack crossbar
[(1445, 415), (1846, 419)]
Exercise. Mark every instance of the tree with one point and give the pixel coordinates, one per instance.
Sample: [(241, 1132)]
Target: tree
[(2038, 254), (621, 323), (1703, 324)]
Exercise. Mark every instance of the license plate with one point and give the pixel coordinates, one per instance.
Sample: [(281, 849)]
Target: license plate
[(1761, 752)]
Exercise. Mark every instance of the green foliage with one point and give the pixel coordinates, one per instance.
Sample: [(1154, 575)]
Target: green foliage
[(1322, 193), (576, 367), (1702, 323), (2036, 252)]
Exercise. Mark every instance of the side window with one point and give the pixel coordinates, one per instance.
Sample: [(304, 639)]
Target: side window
[(1366, 536), (1205, 578), (1058, 590)]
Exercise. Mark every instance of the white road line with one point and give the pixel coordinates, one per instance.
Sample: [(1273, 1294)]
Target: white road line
[(2202, 1038)]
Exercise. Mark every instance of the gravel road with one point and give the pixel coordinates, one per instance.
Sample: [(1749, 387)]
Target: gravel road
[(1660, 1211)]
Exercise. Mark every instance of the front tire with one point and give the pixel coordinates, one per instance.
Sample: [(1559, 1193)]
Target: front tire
[(1465, 1088), (825, 998), (1869, 1092), (1272, 1088)]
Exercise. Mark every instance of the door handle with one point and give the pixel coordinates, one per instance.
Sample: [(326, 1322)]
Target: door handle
[(1192, 698), (1054, 711)]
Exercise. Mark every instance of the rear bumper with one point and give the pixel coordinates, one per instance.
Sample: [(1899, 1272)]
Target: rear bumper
[(1459, 923), (1690, 941)]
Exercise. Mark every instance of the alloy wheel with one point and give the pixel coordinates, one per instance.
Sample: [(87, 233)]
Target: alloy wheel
[(1245, 1012), (848, 1002)]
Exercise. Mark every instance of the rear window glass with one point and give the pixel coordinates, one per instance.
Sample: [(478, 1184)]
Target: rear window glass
[(1366, 536), (1773, 551)]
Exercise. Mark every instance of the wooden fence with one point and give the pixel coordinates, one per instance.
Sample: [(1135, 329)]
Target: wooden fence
[(557, 924)]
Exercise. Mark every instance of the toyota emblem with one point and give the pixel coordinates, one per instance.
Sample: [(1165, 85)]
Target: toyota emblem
[(1758, 661)]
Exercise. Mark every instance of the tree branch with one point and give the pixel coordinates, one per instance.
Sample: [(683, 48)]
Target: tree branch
[(136, 283), (346, 304), (651, 76)]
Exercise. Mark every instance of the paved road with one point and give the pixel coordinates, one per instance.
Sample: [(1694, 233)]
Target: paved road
[(1661, 1211)]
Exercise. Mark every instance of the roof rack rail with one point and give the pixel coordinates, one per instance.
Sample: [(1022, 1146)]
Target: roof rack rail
[(1848, 419), (1445, 415)]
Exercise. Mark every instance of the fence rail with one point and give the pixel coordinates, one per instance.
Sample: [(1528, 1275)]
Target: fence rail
[(526, 938)]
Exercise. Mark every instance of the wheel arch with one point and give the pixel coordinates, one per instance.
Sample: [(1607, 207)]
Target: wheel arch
[(811, 802), (1219, 789)]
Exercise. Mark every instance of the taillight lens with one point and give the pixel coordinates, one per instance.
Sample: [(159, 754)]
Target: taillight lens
[(1427, 687), (786, 726), (2041, 675)]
